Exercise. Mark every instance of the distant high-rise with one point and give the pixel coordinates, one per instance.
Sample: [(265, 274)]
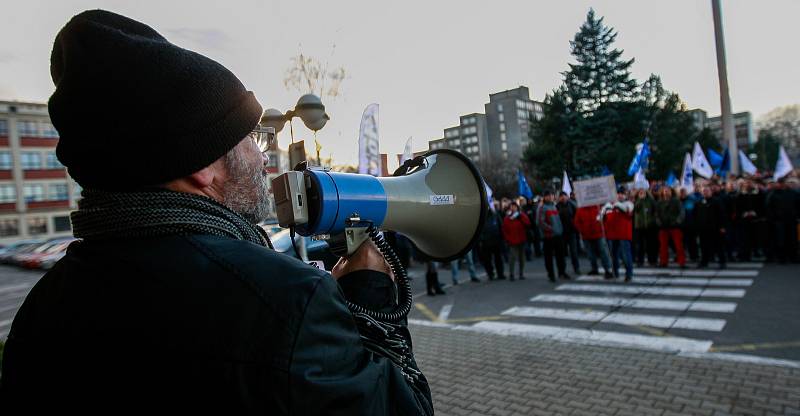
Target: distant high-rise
[(742, 122), (500, 135)]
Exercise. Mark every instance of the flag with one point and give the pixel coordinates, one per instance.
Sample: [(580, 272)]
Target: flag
[(640, 181), (671, 179), (687, 177), (747, 166), (606, 171), (489, 194), (784, 166), (407, 153), (640, 160), (369, 155), (565, 185), (714, 158), (522, 184), (725, 164), (700, 163)]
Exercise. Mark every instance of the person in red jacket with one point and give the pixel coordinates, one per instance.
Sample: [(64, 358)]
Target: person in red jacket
[(591, 230), (618, 221), (515, 226)]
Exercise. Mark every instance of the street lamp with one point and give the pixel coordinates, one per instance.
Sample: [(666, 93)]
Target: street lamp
[(309, 108)]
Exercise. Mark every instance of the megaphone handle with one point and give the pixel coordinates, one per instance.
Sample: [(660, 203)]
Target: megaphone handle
[(346, 243)]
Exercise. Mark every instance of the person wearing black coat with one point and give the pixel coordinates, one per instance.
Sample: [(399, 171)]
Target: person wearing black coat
[(491, 245), (711, 225), (172, 301), (781, 211)]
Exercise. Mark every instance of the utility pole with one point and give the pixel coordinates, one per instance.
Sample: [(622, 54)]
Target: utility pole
[(728, 132)]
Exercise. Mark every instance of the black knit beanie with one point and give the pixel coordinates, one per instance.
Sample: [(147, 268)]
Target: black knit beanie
[(134, 110)]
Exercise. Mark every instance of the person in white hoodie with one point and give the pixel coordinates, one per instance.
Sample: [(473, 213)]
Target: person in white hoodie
[(617, 219)]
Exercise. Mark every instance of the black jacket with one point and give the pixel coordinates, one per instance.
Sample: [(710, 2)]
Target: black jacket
[(710, 214), (199, 324)]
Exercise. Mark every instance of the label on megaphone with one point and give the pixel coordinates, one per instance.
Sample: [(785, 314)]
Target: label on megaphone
[(443, 199)]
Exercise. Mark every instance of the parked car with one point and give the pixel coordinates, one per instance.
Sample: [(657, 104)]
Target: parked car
[(54, 252), (23, 255), (18, 247), (316, 249)]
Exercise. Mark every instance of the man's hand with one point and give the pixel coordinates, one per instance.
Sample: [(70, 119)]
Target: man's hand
[(366, 257)]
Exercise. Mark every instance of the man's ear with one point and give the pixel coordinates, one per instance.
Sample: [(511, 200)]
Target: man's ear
[(203, 178)]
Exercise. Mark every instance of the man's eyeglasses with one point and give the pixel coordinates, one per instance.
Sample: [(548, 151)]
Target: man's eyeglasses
[(263, 136)]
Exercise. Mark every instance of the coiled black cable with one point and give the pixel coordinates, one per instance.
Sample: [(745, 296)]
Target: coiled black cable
[(405, 298)]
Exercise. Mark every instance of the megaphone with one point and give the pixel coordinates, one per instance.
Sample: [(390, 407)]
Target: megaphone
[(437, 200)]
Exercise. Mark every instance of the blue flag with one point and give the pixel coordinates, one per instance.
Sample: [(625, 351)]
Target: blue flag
[(606, 171), (714, 158), (725, 164), (640, 160), (671, 179), (522, 184)]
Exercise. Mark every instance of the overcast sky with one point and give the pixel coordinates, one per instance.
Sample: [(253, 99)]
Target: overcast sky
[(427, 62)]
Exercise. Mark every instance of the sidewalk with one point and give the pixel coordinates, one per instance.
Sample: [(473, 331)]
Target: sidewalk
[(474, 373)]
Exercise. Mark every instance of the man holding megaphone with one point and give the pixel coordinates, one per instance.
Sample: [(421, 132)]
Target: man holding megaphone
[(171, 302)]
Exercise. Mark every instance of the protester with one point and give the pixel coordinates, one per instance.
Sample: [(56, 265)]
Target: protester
[(534, 233), (747, 206), (618, 221), (526, 206), (491, 245), (470, 267), (689, 228), (591, 231), (566, 211), (644, 227), (728, 197), (711, 225), (549, 222), (515, 227), (669, 217), (172, 302), (781, 208), (432, 279)]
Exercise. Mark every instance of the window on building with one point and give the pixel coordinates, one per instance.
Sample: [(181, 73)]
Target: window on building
[(27, 128), (9, 227), (522, 114), (501, 117), (502, 126), (454, 143), (58, 192), (31, 160), (475, 159), (34, 192), (502, 137), (3, 127), (37, 225), (8, 193), (62, 223), (53, 163), (6, 161), (499, 108), (504, 146), (48, 130), (505, 155), (520, 104)]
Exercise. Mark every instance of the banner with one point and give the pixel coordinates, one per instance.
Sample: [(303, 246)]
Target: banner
[(784, 166), (747, 166), (566, 187), (522, 185), (369, 154), (595, 191), (700, 163), (687, 177)]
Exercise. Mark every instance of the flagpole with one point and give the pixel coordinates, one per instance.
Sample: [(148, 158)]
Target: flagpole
[(728, 132)]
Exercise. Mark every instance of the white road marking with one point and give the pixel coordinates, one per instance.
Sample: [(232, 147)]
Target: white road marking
[(742, 358), (655, 321), (445, 312), (591, 337), (696, 273), (675, 305), (654, 290), (691, 281)]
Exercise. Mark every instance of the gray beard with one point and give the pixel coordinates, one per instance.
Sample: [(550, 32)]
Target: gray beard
[(247, 189)]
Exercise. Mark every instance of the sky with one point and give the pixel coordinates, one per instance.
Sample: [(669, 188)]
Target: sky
[(427, 62)]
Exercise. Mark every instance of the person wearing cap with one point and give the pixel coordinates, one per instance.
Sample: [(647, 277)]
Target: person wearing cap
[(549, 222), (171, 301), (515, 226), (618, 221)]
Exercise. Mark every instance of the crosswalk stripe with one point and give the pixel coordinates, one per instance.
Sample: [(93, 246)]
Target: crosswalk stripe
[(695, 273), (692, 281), (591, 337), (655, 321), (676, 305), (654, 290)]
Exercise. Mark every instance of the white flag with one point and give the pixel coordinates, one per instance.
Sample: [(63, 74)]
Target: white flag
[(784, 166), (747, 166), (566, 186), (369, 154), (639, 180), (700, 163), (687, 177), (407, 153), (489, 194)]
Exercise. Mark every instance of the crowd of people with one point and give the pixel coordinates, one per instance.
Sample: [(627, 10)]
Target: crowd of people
[(716, 222)]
